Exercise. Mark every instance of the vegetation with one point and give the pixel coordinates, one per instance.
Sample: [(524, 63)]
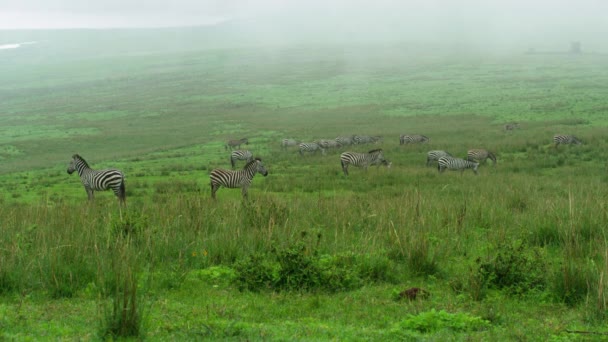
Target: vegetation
[(518, 252)]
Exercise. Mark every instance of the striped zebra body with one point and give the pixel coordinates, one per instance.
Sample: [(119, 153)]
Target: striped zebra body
[(311, 148), (412, 139), (433, 156), (345, 141), (240, 155), (289, 143), (566, 140), (511, 126), (366, 139), (98, 180), (480, 155), (231, 144), (364, 160), (236, 179), (456, 164)]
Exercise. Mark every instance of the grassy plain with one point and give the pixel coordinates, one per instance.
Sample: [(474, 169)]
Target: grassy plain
[(518, 252)]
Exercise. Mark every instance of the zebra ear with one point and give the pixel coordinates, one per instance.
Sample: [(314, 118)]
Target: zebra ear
[(75, 156)]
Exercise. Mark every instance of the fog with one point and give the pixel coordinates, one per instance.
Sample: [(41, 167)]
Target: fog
[(498, 24)]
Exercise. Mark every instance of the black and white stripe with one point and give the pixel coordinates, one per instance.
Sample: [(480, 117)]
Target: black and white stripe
[(311, 148), (433, 156), (566, 140), (98, 180), (240, 155), (364, 160), (289, 143), (231, 144), (412, 139), (480, 155), (236, 179), (456, 164)]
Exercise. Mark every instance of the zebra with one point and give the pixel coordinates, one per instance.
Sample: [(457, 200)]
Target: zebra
[(511, 126), (236, 179), (434, 155), (566, 140), (366, 139), (240, 155), (415, 138), (310, 147), (98, 180), (289, 142), (345, 141), (451, 163), (364, 160), (480, 155), (236, 143), (327, 144)]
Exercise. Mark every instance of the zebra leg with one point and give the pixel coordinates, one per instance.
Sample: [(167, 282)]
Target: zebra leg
[(344, 168), (244, 191), (214, 189), (232, 162), (90, 194)]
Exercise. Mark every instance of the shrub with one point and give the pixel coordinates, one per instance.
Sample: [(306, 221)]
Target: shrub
[(515, 269)]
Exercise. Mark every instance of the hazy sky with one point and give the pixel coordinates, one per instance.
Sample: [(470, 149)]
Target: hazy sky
[(501, 20)]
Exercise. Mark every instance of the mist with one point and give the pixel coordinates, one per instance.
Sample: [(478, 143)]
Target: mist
[(476, 24)]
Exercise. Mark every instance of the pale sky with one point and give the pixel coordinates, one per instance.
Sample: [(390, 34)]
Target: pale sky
[(488, 20)]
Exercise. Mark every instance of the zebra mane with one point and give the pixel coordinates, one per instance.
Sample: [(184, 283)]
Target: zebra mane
[(77, 156), (256, 159), (376, 150)]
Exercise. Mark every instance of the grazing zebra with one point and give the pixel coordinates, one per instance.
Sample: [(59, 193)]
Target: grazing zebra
[(289, 142), (433, 156), (566, 140), (415, 138), (310, 147), (345, 141), (236, 179), (98, 180), (327, 144), (240, 155), (511, 126), (236, 143), (365, 139), (364, 160), (480, 155), (456, 164)]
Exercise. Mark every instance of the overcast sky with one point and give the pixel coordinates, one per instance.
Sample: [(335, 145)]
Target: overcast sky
[(490, 19)]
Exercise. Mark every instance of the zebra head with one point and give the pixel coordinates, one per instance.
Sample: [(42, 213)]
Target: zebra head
[(76, 160), (387, 163), (576, 140), (259, 167)]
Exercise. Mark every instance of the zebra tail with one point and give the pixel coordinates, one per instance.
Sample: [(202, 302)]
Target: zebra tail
[(122, 193)]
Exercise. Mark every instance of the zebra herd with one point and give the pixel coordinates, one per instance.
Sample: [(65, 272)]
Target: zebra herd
[(114, 179)]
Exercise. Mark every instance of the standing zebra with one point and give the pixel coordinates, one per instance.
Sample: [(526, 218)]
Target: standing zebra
[(236, 143), (511, 126), (310, 147), (414, 138), (327, 144), (289, 142), (240, 155), (364, 160), (366, 139), (345, 141), (566, 140), (456, 164), (236, 179), (480, 155), (432, 156), (98, 180)]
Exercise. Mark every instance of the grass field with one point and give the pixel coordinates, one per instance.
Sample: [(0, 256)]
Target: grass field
[(516, 253)]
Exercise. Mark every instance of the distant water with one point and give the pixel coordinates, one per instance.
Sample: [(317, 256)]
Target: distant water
[(15, 45)]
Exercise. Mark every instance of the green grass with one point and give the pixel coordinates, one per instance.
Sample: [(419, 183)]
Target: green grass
[(517, 252)]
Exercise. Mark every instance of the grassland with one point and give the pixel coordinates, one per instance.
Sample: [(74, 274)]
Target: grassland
[(516, 253)]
